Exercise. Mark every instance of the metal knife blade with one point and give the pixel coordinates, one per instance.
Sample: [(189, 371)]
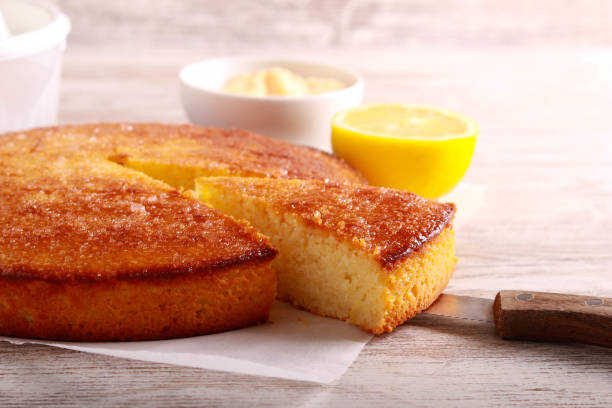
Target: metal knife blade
[(539, 316), (463, 307)]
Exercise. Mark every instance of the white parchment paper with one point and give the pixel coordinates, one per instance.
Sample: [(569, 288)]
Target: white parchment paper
[(294, 344)]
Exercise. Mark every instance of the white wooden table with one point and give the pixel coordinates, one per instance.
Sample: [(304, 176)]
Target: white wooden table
[(544, 222)]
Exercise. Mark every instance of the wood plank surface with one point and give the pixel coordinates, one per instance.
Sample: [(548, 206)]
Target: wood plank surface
[(537, 77)]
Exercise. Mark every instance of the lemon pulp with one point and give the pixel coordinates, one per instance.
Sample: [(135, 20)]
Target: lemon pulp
[(400, 121), (422, 149)]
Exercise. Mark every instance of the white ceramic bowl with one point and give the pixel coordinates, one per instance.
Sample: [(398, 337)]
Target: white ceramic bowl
[(302, 120), (30, 63)]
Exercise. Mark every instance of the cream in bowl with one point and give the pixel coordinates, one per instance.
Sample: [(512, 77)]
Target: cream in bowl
[(294, 116), (280, 81)]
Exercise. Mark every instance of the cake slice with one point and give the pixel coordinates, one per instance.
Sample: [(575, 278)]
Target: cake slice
[(371, 256)]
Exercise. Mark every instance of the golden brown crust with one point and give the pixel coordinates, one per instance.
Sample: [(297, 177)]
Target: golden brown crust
[(87, 219), (231, 151), (137, 309), (390, 224)]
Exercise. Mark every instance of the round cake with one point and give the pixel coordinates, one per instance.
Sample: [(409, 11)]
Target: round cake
[(102, 239)]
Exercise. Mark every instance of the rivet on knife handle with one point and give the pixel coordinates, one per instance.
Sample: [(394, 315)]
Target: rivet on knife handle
[(553, 317)]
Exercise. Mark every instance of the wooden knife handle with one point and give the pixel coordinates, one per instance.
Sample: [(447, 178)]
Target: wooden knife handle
[(553, 317)]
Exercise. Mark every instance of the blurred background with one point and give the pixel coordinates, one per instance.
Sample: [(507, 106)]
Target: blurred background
[(296, 25), (450, 53)]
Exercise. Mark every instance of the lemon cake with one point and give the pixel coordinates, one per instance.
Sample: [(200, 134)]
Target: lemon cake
[(177, 154), (371, 256), (94, 248)]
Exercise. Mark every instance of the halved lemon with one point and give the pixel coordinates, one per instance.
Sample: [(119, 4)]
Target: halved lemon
[(422, 149)]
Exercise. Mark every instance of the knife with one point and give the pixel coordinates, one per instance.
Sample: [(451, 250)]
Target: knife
[(524, 315)]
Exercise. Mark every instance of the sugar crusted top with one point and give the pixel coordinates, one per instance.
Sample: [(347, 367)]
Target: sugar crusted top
[(70, 213), (87, 219), (390, 224), (233, 151)]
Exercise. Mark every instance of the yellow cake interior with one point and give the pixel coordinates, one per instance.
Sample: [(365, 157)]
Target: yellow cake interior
[(181, 177), (334, 277)]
